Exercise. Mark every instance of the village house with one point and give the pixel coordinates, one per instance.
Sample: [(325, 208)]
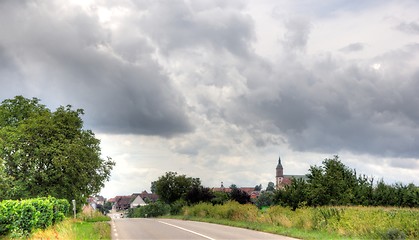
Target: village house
[(121, 203), (141, 199)]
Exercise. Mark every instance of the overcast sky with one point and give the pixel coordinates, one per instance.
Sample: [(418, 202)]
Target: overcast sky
[(219, 89)]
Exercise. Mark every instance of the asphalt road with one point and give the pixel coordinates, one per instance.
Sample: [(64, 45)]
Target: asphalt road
[(148, 228)]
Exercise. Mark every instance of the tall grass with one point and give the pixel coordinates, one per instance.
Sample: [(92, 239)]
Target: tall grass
[(362, 222), (93, 225)]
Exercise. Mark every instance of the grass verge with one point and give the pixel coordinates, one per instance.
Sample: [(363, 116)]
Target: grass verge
[(92, 226)]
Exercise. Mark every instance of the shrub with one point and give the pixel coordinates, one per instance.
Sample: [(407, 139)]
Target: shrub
[(393, 234), (176, 207), (151, 210), (46, 211), (61, 209), (21, 217)]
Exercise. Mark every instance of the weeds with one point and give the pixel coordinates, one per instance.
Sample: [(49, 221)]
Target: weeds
[(358, 222)]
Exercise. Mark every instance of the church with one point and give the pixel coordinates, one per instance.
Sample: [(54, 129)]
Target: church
[(283, 180)]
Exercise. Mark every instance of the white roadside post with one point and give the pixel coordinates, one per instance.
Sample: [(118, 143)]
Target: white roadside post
[(74, 207)]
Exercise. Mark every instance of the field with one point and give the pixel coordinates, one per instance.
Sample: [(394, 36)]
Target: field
[(315, 223)]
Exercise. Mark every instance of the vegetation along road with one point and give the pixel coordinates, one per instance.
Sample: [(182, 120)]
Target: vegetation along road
[(148, 228)]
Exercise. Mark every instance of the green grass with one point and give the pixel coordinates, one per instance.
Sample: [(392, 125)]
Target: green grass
[(86, 226), (334, 222), (265, 227), (92, 230)]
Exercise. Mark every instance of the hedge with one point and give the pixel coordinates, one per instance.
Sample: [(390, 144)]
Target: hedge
[(21, 217)]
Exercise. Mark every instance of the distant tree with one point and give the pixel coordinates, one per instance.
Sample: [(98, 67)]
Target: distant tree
[(364, 191), (384, 195), (333, 183), (265, 199), (153, 187), (258, 188), (295, 194), (220, 198), (48, 153), (270, 187), (199, 194), (171, 187), (107, 206), (239, 195)]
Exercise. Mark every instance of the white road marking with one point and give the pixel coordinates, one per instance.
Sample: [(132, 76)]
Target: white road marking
[(187, 230), (114, 229)]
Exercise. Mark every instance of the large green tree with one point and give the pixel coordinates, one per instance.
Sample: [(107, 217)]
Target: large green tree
[(172, 187), (331, 184), (48, 153)]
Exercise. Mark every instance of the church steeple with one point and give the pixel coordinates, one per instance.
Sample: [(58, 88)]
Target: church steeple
[(279, 172), (279, 163), (279, 169)]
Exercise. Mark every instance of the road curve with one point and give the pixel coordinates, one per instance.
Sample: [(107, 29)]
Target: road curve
[(149, 228)]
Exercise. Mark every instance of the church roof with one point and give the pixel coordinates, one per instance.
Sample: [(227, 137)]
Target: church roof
[(304, 177), (279, 163)]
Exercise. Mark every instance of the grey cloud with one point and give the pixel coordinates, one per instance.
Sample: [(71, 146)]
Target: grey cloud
[(347, 106), (409, 27), (405, 163), (354, 47), (178, 25), (70, 59), (297, 35)]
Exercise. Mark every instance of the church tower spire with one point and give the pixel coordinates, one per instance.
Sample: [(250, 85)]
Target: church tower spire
[(279, 172)]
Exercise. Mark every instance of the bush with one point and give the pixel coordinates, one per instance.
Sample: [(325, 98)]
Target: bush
[(231, 210), (151, 210), (393, 234), (61, 209), (21, 217), (176, 207), (46, 211)]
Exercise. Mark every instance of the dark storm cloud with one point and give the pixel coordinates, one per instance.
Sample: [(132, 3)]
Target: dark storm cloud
[(69, 58), (333, 105), (123, 77)]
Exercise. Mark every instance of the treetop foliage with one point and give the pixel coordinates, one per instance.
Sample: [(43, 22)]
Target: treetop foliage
[(48, 153), (171, 186), (333, 183)]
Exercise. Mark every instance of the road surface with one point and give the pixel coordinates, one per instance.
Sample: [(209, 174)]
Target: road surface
[(149, 228)]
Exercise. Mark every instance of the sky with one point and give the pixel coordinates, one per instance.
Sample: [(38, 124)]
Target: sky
[(220, 89)]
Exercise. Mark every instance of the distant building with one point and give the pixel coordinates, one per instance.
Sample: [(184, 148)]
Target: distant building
[(249, 190), (138, 201), (122, 202), (283, 180)]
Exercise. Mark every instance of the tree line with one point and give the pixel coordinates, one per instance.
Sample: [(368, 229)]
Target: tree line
[(333, 183)]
